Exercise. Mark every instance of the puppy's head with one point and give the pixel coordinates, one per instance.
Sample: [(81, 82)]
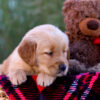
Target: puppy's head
[(46, 48)]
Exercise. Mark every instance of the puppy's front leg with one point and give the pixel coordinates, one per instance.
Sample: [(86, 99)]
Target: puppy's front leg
[(45, 80), (17, 77)]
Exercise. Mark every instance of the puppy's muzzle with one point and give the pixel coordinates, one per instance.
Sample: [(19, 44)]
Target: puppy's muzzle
[(62, 68)]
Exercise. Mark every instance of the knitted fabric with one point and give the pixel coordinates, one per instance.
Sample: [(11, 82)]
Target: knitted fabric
[(76, 87)]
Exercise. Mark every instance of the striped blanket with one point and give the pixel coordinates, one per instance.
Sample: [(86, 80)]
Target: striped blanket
[(76, 87)]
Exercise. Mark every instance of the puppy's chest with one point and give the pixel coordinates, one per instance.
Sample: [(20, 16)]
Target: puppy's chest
[(87, 53)]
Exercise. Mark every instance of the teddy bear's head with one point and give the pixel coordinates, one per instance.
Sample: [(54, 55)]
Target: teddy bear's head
[(82, 19)]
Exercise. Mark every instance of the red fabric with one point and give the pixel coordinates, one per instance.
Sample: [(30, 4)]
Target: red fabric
[(96, 41), (38, 86), (75, 87), (11, 97)]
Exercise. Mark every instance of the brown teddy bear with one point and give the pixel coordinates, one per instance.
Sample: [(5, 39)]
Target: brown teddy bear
[(82, 19)]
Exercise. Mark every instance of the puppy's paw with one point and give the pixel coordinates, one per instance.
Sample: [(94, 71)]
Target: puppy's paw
[(17, 77), (45, 80)]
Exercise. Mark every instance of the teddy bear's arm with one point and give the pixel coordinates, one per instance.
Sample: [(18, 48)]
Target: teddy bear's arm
[(95, 68), (75, 67)]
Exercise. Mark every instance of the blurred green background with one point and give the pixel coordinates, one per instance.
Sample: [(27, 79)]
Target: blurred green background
[(18, 16)]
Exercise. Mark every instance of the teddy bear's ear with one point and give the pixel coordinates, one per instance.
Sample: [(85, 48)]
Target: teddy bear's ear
[(67, 5)]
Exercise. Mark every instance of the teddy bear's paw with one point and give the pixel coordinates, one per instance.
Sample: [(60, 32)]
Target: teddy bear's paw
[(75, 67), (96, 68), (45, 80), (74, 62), (17, 77)]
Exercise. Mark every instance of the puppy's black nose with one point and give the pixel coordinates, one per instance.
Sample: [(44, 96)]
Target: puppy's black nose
[(93, 25), (62, 67)]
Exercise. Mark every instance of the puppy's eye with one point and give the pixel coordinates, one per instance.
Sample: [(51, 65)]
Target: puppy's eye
[(49, 53), (87, 16)]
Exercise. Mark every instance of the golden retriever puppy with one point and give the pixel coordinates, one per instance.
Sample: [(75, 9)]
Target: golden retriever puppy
[(43, 51)]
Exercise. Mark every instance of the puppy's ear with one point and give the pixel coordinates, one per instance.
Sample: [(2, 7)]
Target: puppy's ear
[(68, 55), (27, 51)]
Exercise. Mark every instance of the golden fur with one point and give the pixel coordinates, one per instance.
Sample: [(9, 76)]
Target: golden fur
[(40, 53), (3, 96)]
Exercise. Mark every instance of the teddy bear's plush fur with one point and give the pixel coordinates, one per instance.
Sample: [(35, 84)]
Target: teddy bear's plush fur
[(82, 19)]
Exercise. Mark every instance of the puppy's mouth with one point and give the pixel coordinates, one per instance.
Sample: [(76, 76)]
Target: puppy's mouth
[(62, 70), (62, 74)]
